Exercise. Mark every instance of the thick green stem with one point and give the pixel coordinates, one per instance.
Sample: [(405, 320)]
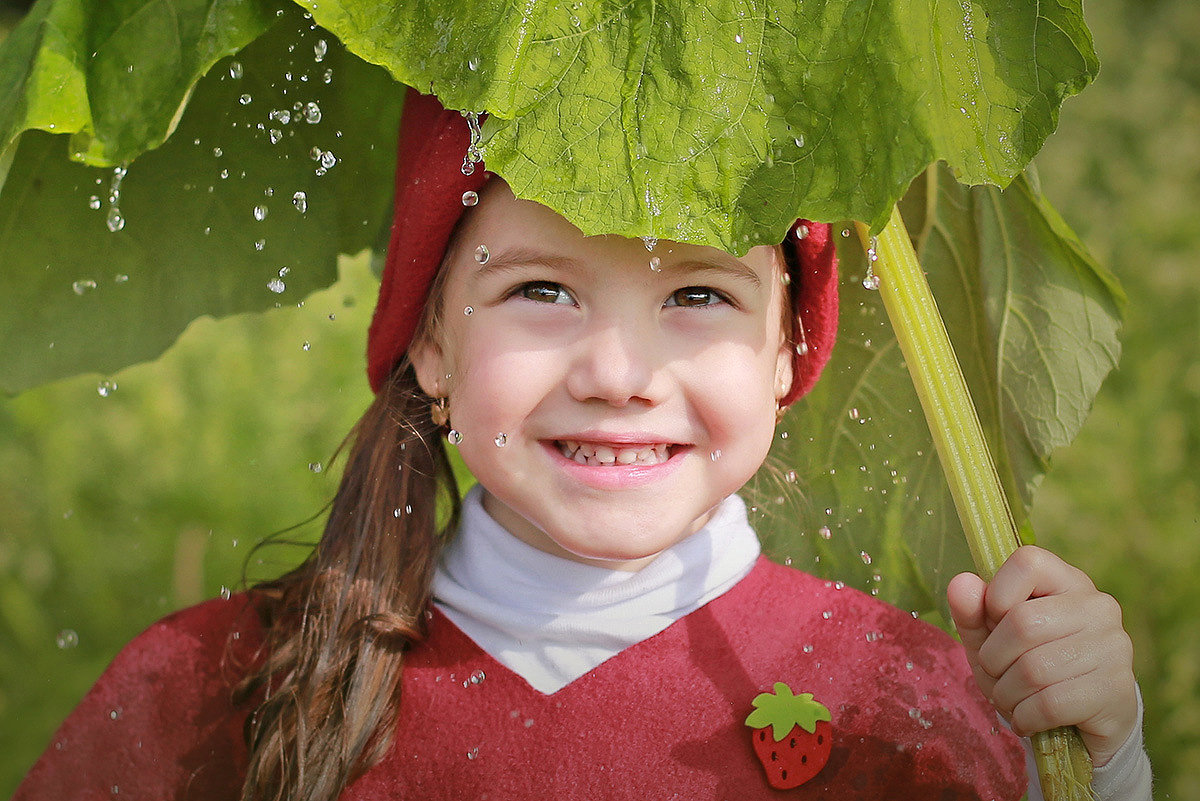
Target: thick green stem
[(1063, 764)]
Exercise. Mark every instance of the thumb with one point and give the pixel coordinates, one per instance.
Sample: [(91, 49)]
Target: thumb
[(966, 596)]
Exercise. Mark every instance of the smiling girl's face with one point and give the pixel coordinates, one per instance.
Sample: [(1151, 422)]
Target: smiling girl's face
[(605, 407)]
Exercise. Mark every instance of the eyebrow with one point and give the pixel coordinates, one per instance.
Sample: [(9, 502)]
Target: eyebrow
[(514, 258)]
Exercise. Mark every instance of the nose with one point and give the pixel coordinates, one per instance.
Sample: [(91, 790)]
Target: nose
[(615, 363)]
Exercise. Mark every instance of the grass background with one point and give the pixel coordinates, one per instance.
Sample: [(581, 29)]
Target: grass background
[(115, 510)]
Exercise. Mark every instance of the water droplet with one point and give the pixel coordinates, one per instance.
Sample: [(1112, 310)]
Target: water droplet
[(245, 100), (871, 281), (473, 63), (307, 346), (824, 532), (801, 348), (320, 49), (328, 159), (482, 254), (854, 413), (225, 591), (312, 113), (799, 140), (477, 677), (737, 38), (501, 440), (651, 242), (282, 116), (115, 221), (839, 585), (655, 264), (872, 636), (827, 614), (474, 752), (260, 244), (715, 455), (865, 557), (473, 155), (94, 202), (908, 665), (454, 437), (83, 286), (470, 198), (315, 467), (114, 713), (67, 638), (235, 69), (106, 388), (468, 311), (260, 213), (300, 201), (845, 232), (276, 286), (790, 476), (116, 790), (808, 649), (275, 135)]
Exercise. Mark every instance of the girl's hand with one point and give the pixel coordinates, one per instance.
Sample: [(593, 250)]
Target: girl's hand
[(1048, 649)]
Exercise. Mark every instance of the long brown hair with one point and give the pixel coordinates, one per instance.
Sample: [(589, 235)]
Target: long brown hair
[(338, 625)]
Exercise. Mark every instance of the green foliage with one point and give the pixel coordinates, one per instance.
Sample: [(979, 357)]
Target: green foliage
[(82, 296), (721, 122), (781, 710), (1034, 320)]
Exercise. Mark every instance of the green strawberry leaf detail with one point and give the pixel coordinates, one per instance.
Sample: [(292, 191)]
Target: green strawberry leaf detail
[(782, 711)]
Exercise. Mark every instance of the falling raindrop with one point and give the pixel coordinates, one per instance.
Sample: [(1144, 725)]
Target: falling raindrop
[(799, 140), (275, 135), (845, 232), (473, 155), (260, 213), (715, 455), (94, 202), (824, 532), (106, 388), (482, 254), (312, 113), (235, 69), (328, 159), (501, 440), (801, 348), (300, 201), (854, 413), (808, 649), (67, 638), (83, 286), (871, 280), (320, 49), (737, 38), (866, 557), (827, 614), (245, 100), (260, 244), (477, 677), (473, 63), (790, 476), (276, 286), (468, 311), (470, 198), (454, 437), (282, 116), (474, 752), (315, 467), (327, 76), (656, 264), (115, 221), (307, 346), (651, 242), (225, 591)]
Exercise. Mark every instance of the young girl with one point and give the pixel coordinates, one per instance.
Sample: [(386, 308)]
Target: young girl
[(595, 619)]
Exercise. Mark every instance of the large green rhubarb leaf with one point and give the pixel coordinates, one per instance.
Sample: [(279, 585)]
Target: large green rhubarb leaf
[(721, 122), (274, 169), (1034, 321)]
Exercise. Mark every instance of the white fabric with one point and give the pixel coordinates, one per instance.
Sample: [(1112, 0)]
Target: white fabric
[(551, 620)]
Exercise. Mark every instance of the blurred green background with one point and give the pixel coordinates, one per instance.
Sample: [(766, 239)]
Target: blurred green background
[(118, 508)]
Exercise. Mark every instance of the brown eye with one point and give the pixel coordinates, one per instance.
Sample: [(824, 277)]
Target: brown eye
[(545, 292), (694, 296)]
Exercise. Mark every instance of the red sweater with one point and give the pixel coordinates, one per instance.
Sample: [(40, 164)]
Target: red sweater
[(662, 719)]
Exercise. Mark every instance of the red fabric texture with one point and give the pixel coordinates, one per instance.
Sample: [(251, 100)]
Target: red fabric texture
[(661, 719), (429, 188)]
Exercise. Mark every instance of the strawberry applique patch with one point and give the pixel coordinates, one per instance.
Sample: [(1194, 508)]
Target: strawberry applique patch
[(792, 736)]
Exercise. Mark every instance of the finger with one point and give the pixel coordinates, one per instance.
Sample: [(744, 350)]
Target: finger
[(1031, 624), (965, 594), (1042, 667), (1030, 572)]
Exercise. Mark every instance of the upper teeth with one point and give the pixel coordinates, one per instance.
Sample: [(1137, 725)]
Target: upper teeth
[(587, 453)]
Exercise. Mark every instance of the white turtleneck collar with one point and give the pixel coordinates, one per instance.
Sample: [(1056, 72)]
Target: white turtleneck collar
[(551, 620)]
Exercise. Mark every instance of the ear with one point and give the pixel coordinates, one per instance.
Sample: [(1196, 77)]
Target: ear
[(429, 363), (783, 372)]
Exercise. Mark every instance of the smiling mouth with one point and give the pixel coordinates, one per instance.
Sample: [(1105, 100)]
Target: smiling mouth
[(613, 455)]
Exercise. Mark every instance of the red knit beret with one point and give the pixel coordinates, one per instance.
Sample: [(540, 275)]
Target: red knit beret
[(430, 184)]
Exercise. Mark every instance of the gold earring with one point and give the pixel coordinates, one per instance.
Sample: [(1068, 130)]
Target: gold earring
[(439, 412)]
